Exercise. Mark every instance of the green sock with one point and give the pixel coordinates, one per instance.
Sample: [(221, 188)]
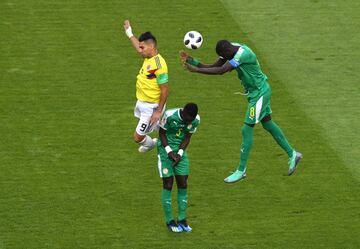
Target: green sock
[(166, 202), (279, 136), (247, 134), (182, 202)]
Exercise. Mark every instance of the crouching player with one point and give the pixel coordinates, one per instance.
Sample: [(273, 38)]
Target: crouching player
[(176, 129)]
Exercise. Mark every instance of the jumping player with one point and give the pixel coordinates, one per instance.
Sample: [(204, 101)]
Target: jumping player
[(241, 58), (151, 87)]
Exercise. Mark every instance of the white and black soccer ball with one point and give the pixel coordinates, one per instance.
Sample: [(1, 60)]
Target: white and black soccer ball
[(193, 40)]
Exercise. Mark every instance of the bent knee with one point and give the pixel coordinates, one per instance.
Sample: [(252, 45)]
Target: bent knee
[(167, 185), (168, 182)]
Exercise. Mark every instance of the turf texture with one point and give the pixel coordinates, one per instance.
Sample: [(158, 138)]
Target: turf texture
[(71, 176)]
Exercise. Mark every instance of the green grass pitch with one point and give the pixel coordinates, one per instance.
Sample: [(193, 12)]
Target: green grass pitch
[(71, 176)]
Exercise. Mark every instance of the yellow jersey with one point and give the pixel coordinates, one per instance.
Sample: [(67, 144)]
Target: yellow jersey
[(153, 73)]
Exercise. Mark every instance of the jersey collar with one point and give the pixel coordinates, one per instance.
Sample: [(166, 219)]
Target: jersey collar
[(152, 57)]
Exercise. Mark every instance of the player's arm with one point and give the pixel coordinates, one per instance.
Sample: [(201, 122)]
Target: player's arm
[(227, 67), (164, 142), (133, 39), (220, 61), (184, 144), (186, 58), (182, 148), (164, 92), (162, 136)]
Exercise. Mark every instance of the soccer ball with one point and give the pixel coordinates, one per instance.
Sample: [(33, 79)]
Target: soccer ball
[(193, 40)]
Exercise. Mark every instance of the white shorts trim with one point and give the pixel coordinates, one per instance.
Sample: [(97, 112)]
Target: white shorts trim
[(258, 109), (159, 165)]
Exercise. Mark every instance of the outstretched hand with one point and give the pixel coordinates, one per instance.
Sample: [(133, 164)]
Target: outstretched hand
[(183, 56)]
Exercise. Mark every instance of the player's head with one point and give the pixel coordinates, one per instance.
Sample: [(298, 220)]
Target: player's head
[(189, 112), (225, 49), (147, 44)]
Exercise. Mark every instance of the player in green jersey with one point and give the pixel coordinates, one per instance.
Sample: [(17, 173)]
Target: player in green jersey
[(176, 128), (243, 60)]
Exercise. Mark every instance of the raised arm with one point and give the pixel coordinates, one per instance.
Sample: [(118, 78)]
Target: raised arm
[(216, 70), (186, 58), (133, 39), (220, 66), (220, 61)]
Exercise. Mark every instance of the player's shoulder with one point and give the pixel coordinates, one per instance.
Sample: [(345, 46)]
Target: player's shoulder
[(244, 52), (160, 57), (168, 116), (160, 61), (245, 49), (197, 120), (171, 112)]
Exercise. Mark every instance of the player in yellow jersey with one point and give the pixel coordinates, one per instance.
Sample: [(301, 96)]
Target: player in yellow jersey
[(151, 87)]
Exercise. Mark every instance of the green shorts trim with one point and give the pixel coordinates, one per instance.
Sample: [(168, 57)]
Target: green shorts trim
[(258, 108), (166, 168)]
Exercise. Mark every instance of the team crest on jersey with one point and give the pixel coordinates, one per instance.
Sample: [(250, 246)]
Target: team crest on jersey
[(165, 171), (148, 67), (151, 74)]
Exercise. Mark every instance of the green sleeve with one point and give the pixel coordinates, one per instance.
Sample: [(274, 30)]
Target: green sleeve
[(162, 78), (192, 61)]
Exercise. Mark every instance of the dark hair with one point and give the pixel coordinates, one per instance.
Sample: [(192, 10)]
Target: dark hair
[(191, 110), (147, 36), (223, 47)]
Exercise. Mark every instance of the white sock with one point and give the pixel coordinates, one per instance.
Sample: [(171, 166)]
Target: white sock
[(147, 142)]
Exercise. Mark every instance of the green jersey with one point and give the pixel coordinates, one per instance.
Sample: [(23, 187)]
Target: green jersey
[(175, 127), (249, 71)]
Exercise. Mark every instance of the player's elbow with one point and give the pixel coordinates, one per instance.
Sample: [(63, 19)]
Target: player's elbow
[(224, 69)]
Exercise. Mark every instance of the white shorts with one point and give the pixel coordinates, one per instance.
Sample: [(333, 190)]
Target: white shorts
[(144, 111)]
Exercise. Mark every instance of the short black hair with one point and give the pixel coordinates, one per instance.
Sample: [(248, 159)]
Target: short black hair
[(147, 36), (223, 47), (191, 110)]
